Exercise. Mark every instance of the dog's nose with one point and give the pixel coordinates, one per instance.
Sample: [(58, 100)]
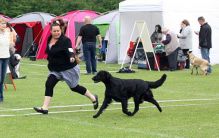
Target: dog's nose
[(93, 78)]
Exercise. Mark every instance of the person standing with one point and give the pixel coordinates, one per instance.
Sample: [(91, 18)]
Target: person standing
[(88, 34), (171, 48), (205, 42), (6, 41), (62, 66), (157, 36), (185, 40)]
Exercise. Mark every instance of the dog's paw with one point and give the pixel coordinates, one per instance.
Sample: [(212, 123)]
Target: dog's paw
[(95, 116), (129, 114), (160, 109)]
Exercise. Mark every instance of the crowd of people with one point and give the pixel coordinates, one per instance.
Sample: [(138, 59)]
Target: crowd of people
[(183, 41)]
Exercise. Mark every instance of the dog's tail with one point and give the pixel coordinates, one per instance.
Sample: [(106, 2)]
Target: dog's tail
[(157, 83)]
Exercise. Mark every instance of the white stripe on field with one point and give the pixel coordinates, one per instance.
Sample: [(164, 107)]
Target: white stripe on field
[(34, 64), (116, 103), (76, 111), (40, 65)]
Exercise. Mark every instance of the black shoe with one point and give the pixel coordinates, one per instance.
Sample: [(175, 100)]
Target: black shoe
[(40, 110), (95, 103)]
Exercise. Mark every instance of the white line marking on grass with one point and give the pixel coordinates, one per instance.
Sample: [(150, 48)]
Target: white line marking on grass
[(7, 116), (116, 103), (117, 128), (187, 100), (77, 111), (44, 65), (39, 65)]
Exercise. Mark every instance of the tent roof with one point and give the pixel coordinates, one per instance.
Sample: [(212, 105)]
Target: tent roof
[(140, 5), (33, 17), (78, 15), (107, 18), (73, 18)]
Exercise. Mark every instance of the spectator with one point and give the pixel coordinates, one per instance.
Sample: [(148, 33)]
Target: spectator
[(62, 66), (185, 40), (205, 42), (171, 48), (87, 35), (156, 37), (6, 41)]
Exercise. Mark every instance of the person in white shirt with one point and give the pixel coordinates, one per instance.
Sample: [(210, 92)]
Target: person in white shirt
[(185, 40), (6, 40)]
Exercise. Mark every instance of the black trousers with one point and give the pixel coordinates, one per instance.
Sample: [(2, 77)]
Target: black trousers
[(185, 52), (172, 60), (51, 83)]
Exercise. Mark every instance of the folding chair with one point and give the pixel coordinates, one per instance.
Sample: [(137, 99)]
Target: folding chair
[(9, 80)]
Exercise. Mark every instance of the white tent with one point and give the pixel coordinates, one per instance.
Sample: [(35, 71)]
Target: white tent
[(149, 11), (169, 13), (109, 24)]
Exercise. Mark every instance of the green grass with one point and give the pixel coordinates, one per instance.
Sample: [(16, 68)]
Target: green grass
[(179, 119)]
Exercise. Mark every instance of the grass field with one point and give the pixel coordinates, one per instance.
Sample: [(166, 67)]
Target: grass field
[(190, 107)]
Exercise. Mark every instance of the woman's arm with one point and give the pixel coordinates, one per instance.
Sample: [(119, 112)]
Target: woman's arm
[(168, 39)]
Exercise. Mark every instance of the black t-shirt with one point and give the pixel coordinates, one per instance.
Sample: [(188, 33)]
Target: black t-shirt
[(89, 33)]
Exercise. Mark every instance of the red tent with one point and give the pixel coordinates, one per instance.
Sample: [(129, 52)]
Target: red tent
[(75, 21), (29, 28)]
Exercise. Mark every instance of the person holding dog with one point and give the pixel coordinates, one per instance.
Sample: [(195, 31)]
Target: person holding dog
[(62, 67), (205, 41), (87, 35), (185, 40)]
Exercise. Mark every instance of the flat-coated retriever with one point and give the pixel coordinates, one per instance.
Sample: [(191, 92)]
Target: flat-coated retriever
[(121, 90)]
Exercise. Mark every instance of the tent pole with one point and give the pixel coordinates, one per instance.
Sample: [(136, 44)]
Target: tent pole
[(33, 42), (128, 46), (137, 46)]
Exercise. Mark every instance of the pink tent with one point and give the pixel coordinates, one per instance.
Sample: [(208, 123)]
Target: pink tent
[(75, 21)]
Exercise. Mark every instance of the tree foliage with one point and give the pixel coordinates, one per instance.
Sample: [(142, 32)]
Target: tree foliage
[(13, 8)]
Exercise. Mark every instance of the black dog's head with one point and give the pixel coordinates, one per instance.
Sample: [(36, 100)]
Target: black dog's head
[(103, 76)]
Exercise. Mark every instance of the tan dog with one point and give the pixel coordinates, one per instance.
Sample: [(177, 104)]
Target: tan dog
[(198, 62)]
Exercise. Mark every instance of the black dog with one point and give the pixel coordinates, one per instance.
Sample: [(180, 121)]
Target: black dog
[(121, 90)]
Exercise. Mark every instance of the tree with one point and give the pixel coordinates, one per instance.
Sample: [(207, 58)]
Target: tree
[(13, 8)]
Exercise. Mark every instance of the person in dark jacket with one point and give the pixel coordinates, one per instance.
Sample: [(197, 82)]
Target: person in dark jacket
[(62, 66), (156, 37), (205, 42)]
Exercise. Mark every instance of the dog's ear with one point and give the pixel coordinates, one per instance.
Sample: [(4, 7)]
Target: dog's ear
[(107, 75), (189, 52)]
